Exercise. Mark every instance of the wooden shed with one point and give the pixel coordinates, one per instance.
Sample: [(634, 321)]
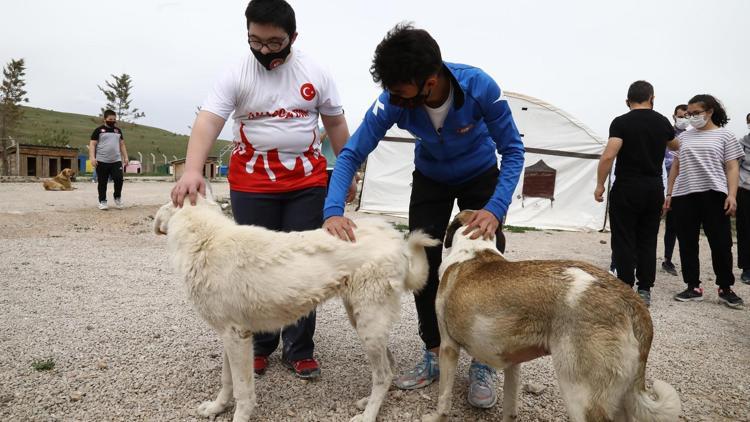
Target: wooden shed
[(41, 160), (210, 169)]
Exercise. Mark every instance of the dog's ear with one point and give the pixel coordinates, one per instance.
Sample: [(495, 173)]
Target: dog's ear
[(161, 219), (460, 220)]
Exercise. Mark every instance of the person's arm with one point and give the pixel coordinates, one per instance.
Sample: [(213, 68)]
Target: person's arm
[(124, 152), (338, 133), (732, 169), (378, 118), (673, 145), (92, 153), (673, 173), (605, 166), (206, 129), (499, 120)]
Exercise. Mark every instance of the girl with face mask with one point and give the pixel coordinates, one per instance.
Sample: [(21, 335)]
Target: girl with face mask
[(702, 192)]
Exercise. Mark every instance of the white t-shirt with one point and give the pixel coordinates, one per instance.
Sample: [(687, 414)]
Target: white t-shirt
[(703, 155), (438, 114), (275, 122)]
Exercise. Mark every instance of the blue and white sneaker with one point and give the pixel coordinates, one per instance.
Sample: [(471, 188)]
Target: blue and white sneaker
[(482, 392), (425, 373)]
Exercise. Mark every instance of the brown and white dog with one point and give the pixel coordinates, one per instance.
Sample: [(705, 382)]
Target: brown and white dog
[(504, 313), (61, 181)]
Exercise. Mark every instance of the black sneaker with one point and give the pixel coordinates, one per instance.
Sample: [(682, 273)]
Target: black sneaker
[(645, 297), (730, 298), (669, 267), (745, 277), (690, 294)]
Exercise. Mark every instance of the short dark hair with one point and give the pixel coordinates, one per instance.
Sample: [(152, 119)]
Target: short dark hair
[(108, 113), (747, 117), (640, 91), (682, 107), (274, 12), (405, 55), (719, 116)]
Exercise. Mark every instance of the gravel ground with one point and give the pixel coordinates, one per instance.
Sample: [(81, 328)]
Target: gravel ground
[(92, 291)]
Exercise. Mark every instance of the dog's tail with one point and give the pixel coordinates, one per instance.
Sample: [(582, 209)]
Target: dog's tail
[(418, 267), (661, 403)]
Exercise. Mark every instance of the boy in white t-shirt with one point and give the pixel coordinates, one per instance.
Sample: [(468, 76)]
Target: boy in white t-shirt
[(277, 172)]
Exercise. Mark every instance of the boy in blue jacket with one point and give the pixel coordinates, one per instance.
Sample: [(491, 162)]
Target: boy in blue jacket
[(460, 119)]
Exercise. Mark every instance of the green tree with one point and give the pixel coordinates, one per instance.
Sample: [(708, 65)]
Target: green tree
[(12, 94), (118, 93)]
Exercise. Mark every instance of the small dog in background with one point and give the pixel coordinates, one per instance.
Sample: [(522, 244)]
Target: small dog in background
[(597, 330), (60, 182)]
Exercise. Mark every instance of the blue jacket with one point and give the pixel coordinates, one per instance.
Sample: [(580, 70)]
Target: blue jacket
[(478, 124)]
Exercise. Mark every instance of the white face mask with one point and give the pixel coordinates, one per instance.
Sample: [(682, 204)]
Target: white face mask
[(748, 125), (698, 121), (681, 123)]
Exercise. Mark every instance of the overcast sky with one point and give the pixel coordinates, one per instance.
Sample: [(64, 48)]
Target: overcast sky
[(579, 55)]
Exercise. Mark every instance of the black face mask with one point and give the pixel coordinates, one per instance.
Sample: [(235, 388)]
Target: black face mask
[(271, 60), (410, 103), (110, 124)]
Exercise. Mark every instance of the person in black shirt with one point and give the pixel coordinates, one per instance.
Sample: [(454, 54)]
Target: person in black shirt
[(637, 139), (108, 155)]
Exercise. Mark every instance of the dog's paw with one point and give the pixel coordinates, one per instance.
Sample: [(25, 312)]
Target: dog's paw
[(210, 409), (362, 403), (243, 409), (434, 417)]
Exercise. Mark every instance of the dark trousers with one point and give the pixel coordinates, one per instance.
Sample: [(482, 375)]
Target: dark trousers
[(430, 209), (670, 236), (743, 229), (103, 172), (635, 213), (704, 209), (289, 211)]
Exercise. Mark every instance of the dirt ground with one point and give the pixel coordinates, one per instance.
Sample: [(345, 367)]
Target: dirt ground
[(92, 292)]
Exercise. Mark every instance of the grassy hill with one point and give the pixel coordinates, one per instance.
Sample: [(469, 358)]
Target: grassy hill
[(40, 126)]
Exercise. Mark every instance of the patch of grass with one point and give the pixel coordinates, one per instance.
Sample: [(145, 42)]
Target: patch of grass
[(519, 229), (146, 139), (403, 228), (43, 364)]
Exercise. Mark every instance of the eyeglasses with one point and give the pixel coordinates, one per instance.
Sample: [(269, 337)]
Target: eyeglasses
[(272, 46), (695, 113), (411, 102)]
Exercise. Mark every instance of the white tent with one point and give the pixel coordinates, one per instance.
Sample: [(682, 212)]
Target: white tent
[(569, 150)]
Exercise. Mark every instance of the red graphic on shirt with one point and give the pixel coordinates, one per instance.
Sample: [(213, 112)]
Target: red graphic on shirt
[(254, 170), (308, 91)]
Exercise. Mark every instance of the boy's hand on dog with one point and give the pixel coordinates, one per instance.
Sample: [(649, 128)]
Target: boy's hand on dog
[(482, 223), (341, 227), (190, 184)]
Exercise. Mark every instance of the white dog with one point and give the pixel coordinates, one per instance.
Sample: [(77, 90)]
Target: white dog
[(504, 313), (246, 279)]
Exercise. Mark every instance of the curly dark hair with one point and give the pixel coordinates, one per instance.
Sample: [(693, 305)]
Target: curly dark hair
[(405, 55), (719, 116), (274, 12)]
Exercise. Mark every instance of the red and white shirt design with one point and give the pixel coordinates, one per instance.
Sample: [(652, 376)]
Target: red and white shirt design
[(275, 121)]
